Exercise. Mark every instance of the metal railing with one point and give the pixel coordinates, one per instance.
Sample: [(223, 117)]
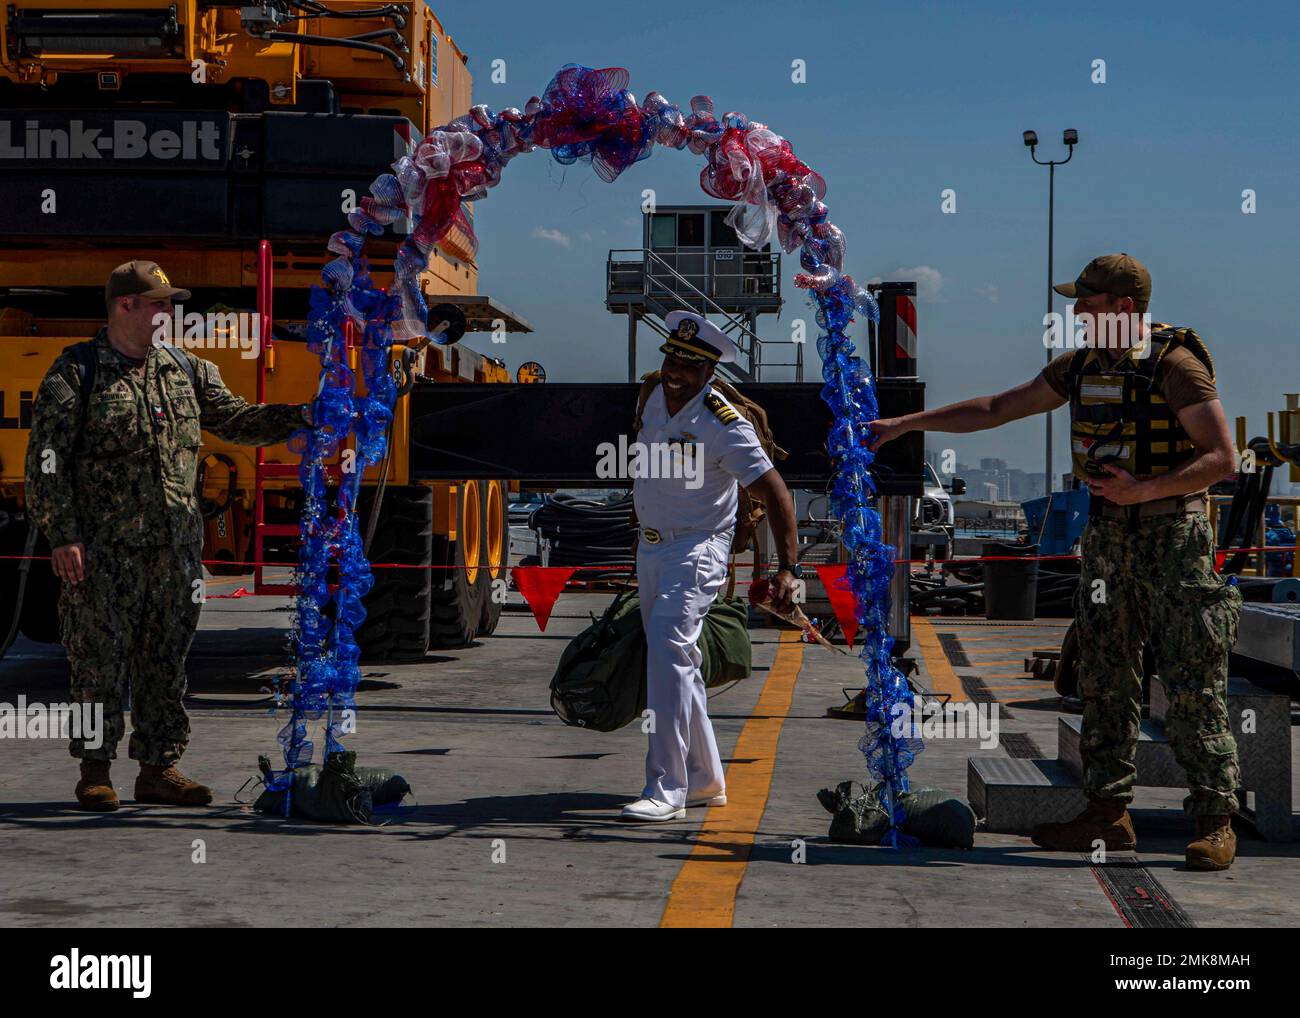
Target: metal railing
[(625, 277), (741, 275)]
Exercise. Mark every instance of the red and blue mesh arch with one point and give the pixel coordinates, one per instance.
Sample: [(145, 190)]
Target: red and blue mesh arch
[(584, 114)]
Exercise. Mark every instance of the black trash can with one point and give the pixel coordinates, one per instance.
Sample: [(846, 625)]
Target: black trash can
[(1010, 587)]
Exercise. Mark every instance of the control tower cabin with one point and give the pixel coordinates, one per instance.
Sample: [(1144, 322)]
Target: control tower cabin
[(690, 259)]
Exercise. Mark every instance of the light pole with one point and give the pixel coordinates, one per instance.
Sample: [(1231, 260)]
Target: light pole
[(1071, 138)]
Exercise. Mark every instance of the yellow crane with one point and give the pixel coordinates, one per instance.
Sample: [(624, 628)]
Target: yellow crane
[(228, 141)]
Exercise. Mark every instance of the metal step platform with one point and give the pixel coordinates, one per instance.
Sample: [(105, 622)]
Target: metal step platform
[(1270, 633), (1014, 795), (1261, 724)]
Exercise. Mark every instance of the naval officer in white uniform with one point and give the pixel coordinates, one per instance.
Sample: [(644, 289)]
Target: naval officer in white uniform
[(686, 523)]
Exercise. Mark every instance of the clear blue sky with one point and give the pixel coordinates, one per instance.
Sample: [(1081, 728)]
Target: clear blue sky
[(901, 102)]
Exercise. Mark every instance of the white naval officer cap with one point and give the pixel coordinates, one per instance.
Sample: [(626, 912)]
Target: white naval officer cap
[(693, 337)]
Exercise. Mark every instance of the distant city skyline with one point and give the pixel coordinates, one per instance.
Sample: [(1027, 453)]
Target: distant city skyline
[(1016, 485), (1011, 483)]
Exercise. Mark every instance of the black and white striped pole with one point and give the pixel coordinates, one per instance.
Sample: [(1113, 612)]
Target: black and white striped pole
[(896, 357)]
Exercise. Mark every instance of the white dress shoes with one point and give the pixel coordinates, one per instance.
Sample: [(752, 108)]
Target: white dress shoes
[(651, 811), (720, 799)]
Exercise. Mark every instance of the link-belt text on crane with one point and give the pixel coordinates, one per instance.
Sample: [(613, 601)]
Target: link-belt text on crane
[(123, 139)]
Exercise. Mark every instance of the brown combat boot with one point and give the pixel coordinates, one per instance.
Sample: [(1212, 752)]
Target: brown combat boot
[(1215, 846), (168, 786), (1104, 820), (95, 789)]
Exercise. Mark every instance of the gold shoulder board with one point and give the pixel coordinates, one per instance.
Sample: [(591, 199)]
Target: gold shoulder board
[(722, 410)]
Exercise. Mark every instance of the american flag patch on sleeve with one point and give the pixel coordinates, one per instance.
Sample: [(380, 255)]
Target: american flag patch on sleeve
[(57, 387)]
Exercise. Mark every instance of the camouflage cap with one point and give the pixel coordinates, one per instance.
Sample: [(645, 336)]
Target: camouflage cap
[(144, 278), (1119, 275)]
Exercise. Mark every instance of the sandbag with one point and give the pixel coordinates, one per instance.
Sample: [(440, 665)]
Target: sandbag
[(339, 792), (600, 681), (934, 817), (386, 788)]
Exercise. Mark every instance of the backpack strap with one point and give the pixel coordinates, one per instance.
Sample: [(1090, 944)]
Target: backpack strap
[(1163, 339), (648, 384), (1197, 346), (1169, 337), (752, 412), (86, 360), (85, 357), (182, 362)]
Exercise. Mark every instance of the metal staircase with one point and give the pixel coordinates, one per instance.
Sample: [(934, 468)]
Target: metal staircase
[(658, 300)]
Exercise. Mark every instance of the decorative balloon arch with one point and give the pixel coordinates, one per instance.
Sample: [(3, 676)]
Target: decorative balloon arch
[(590, 115)]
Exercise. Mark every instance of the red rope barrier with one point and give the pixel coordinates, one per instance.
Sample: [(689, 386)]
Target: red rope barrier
[(1221, 552)]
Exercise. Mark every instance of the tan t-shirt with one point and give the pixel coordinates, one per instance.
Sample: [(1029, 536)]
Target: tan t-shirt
[(1184, 380)]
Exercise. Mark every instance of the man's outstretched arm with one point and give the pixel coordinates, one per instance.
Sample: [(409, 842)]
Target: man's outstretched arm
[(978, 414)]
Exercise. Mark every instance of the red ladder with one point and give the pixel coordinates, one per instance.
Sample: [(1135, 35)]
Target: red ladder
[(263, 470)]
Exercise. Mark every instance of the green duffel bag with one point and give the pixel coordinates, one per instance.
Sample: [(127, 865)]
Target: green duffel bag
[(724, 642), (600, 682)]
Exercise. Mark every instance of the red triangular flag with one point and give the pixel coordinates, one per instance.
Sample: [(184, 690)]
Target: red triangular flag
[(540, 586), (841, 598)]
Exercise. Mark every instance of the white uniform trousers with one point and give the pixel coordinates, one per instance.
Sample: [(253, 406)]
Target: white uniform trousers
[(678, 579)]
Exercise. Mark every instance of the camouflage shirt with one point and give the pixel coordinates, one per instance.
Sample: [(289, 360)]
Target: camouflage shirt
[(125, 476)]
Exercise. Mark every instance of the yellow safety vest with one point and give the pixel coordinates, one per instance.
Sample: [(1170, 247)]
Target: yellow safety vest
[(1118, 414)]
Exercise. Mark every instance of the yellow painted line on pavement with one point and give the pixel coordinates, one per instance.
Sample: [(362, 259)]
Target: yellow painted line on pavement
[(997, 638), (704, 892), (942, 678), (960, 623)]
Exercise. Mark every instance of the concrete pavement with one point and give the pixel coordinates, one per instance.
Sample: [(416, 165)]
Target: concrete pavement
[(514, 816)]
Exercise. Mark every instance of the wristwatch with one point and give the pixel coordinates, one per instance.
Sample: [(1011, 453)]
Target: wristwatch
[(793, 568)]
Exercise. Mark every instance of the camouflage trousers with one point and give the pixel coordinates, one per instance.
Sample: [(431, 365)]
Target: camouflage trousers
[(127, 628), (1156, 584)]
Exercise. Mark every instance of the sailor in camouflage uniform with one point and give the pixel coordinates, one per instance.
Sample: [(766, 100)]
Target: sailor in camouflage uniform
[(1148, 437), (111, 483)]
